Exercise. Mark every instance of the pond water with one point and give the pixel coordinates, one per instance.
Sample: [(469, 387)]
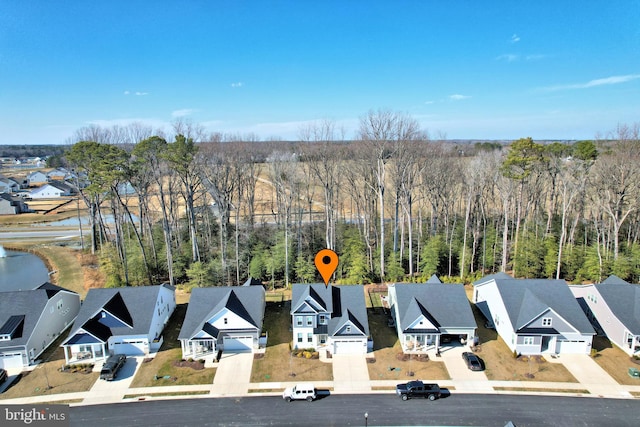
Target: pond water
[(21, 270)]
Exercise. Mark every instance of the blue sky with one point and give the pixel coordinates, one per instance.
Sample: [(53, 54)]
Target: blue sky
[(463, 69)]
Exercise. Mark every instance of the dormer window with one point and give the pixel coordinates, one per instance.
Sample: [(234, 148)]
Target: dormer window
[(546, 321)]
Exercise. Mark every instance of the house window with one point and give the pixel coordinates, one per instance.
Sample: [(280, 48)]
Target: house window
[(322, 319), (546, 321), (348, 329), (225, 321), (309, 337), (299, 337), (60, 305), (298, 320), (309, 320), (323, 339), (528, 341)]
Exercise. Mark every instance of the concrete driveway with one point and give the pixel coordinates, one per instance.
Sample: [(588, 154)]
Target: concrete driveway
[(113, 391), (591, 375), (233, 375), (350, 373), (466, 380)]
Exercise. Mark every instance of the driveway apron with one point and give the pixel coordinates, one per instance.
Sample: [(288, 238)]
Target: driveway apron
[(465, 379), (114, 391), (591, 375), (350, 373), (233, 375)]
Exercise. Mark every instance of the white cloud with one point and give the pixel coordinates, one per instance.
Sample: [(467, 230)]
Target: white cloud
[(515, 38), (597, 82), (429, 102), (126, 92), (535, 57), (509, 57), (458, 97), (183, 112), (237, 84), (141, 93)]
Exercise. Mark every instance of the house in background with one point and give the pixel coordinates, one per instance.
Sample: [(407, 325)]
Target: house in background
[(225, 319), (10, 205), (9, 185), (431, 316), (126, 320), (36, 178), (614, 307), (31, 320), (333, 318), (52, 190), (534, 316)]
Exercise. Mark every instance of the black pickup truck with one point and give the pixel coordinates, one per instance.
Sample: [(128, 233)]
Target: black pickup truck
[(418, 389), (112, 366)]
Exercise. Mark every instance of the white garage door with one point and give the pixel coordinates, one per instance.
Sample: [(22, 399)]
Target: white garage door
[(134, 348), (237, 344), (349, 347), (572, 347), (11, 360)]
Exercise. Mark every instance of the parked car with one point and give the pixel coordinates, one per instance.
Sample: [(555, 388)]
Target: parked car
[(473, 362), (3, 375), (302, 391), (418, 389), (111, 367)]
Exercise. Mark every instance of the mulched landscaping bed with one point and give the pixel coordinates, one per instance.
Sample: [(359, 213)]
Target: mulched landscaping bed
[(194, 364), (417, 357)]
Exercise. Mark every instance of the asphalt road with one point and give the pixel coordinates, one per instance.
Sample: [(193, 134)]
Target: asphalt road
[(349, 410), (39, 233)]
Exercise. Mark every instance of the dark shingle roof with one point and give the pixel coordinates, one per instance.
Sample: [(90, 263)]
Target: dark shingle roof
[(525, 299), (134, 306), (623, 298), (28, 305), (345, 303), (246, 301), (444, 305)]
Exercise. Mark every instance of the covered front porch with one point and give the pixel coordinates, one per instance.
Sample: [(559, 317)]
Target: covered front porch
[(199, 348), (416, 343), (84, 352)]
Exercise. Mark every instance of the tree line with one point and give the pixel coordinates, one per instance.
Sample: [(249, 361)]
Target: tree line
[(396, 205)]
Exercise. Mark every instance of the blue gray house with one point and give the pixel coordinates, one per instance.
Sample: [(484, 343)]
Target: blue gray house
[(331, 318), (534, 316)]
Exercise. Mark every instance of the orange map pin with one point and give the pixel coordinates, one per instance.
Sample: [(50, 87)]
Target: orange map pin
[(326, 263)]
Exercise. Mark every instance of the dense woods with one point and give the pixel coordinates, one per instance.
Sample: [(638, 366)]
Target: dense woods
[(213, 209)]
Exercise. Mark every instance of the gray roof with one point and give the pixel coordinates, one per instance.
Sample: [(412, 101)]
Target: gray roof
[(247, 302), (28, 304), (133, 305), (623, 299), (445, 305), (345, 304), (434, 279), (525, 299), (496, 276)]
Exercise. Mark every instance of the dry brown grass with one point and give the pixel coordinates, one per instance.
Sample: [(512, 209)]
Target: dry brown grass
[(278, 364), (47, 379), (615, 361), (170, 352), (387, 366), (500, 365)]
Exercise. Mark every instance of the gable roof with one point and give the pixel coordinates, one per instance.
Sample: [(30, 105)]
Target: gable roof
[(444, 305), (318, 292), (133, 306), (248, 302), (623, 299), (496, 276), (348, 307), (344, 303), (524, 299), (23, 309)]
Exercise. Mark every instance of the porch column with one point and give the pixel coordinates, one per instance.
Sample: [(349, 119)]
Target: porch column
[(66, 356), (437, 343)]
